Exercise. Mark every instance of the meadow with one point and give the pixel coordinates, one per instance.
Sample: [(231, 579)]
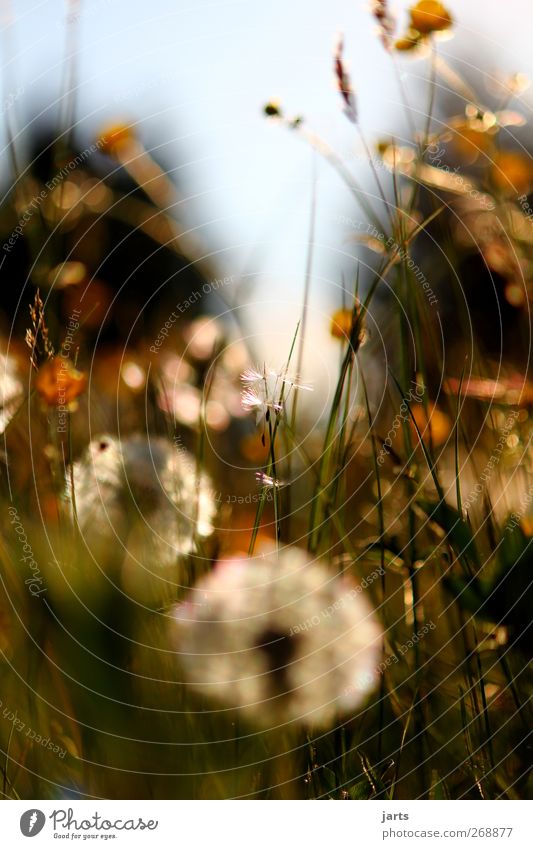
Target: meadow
[(218, 583)]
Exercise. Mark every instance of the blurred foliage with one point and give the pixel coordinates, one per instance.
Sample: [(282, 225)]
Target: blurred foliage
[(431, 486)]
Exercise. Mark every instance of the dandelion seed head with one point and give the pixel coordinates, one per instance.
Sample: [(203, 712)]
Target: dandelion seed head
[(252, 375), (279, 638), (58, 383), (140, 509), (430, 16)]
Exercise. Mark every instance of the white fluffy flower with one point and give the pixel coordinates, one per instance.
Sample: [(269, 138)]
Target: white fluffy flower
[(140, 509), (280, 638)]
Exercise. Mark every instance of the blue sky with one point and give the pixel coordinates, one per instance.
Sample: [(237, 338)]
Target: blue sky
[(195, 73)]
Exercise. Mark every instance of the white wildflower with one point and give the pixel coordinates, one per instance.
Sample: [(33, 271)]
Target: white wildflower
[(258, 403), (267, 390), (268, 481), (280, 638)]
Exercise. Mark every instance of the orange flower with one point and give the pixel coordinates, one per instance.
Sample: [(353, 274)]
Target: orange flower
[(526, 524), (346, 323), (59, 383), (410, 41), (341, 324), (437, 428), (512, 172), (471, 137), (429, 16), (114, 137)]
